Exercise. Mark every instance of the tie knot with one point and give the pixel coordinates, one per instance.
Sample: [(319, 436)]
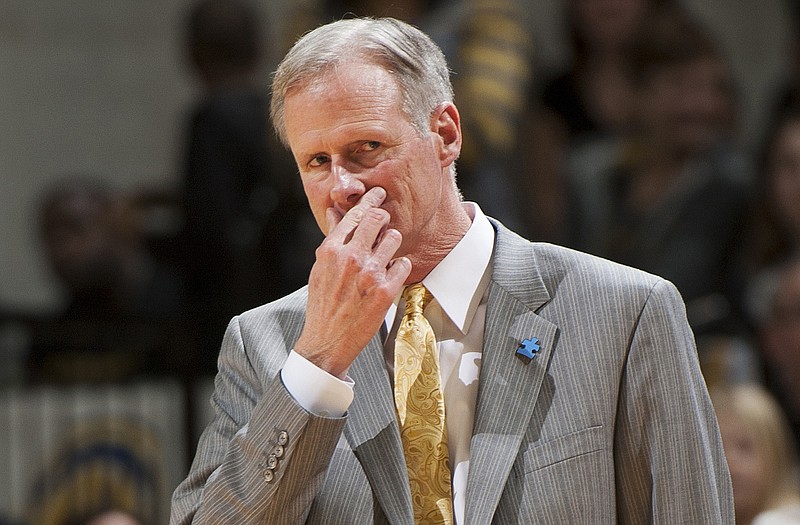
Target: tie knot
[(417, 298)]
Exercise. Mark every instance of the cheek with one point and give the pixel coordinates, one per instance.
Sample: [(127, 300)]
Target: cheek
[(316, 191), (400, 213), (319, 201)]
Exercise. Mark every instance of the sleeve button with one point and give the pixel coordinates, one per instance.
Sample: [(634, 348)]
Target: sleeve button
[(283, 438), (269, 475)]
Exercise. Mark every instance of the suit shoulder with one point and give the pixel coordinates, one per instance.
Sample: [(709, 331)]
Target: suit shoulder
[(605, 289), (558, 263), (289, 310), (524, 267)]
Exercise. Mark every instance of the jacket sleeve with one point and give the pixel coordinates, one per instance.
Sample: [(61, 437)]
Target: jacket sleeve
[(263, 458), (670, 464)]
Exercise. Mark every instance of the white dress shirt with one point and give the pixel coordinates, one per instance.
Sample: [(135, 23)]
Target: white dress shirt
[(457, 314)]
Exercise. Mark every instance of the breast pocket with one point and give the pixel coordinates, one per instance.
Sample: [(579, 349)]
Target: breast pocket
[(568, 479), (563, 448)]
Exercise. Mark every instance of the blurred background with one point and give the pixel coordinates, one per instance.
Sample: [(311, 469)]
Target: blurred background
[(145, 201)]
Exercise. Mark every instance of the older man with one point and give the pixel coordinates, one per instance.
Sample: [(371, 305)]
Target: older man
[(567, 386)]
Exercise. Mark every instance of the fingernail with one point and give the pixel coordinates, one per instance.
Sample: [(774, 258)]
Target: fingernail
[(402, 260)]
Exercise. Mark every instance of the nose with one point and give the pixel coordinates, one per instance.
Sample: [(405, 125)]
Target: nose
[(347, 188)]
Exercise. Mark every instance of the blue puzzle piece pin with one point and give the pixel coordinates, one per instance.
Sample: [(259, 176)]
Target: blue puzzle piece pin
[(529, 348)]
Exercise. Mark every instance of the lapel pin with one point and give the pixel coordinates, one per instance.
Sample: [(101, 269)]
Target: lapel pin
[(529, 348)]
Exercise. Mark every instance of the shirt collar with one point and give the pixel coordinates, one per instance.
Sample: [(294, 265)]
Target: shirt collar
[(457, 282)]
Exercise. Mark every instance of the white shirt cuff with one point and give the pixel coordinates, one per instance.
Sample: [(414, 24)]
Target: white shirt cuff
[(314, 389)]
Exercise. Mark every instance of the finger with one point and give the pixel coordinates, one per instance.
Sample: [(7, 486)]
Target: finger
[(372, 199), (333, 217), (369, 231), (387, 246), (398, 271)]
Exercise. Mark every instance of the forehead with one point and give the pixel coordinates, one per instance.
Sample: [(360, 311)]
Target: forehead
[(348, 95), (349, 80)]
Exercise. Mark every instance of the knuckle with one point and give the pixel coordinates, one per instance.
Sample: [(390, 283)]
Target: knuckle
[(378, 215), (370, 282), (355, 214), (325, 250), (371, 269), (393, 236)]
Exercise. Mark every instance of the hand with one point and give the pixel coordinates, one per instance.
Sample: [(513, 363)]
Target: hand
[(352, 284)]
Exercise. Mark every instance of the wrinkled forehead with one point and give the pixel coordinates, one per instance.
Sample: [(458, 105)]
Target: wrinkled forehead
[(348, 81)]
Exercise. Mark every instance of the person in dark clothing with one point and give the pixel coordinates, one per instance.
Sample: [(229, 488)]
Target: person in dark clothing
[(246, 219), (123, 307), (674, 196)]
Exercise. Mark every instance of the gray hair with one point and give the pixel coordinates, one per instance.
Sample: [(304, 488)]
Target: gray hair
[(416, 62)]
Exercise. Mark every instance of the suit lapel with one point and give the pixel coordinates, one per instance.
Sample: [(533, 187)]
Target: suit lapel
[(509, 384), (374, 436)]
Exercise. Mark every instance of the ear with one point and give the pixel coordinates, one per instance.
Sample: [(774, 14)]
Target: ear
[(446, 125)]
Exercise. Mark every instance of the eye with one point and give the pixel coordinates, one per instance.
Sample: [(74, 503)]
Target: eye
[(318, 161), (370, 145)]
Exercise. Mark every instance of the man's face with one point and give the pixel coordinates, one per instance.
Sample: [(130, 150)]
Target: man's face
[(348, 133)]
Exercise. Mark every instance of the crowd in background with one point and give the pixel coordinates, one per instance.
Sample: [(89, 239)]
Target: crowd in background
[(632, 152)]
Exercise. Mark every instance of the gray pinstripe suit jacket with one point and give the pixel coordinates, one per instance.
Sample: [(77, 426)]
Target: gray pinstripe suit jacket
[(609, 423)]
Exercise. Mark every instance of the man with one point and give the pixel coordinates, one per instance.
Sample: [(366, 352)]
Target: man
[(603, 418)]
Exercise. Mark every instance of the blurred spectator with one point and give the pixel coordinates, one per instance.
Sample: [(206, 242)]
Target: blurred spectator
[(671, 198), (777, 314), (787, 98), (761, 455), (729, 358), (493, 72), (107, 473), (774, 234), (122, 305), (591, 96), (94, 247), (772, 263), (250, 236), (588, 100), (115, 517)]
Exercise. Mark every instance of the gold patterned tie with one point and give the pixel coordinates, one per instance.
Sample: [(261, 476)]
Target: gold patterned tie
[(420, 408)]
